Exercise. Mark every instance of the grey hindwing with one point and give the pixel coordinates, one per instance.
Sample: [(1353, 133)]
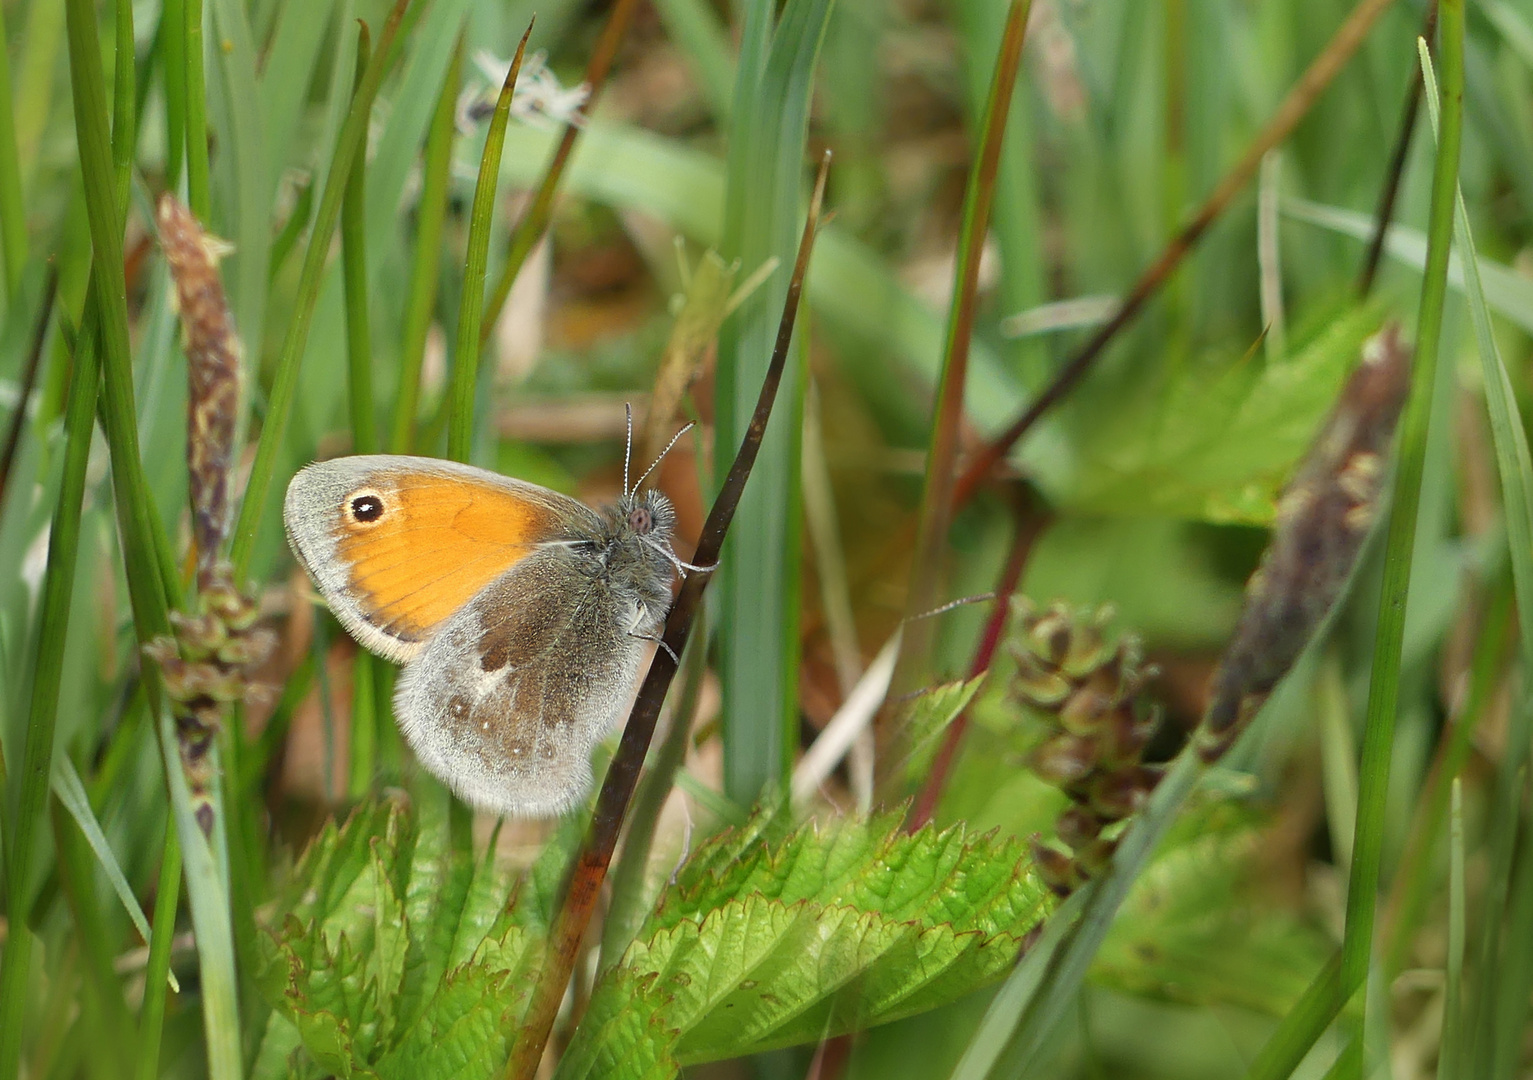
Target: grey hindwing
[(512, 692)]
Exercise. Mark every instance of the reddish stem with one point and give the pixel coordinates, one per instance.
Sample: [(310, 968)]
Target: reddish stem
[(1028, 528), (1293, 109)]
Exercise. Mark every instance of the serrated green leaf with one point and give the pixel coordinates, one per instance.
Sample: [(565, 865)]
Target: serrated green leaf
[(1216, 440), (1197, 929), (466, 1028), (767, 943), (391, 954)]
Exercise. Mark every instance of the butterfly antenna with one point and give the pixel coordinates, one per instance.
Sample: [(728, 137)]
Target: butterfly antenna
[(674, 439), (628, 449)]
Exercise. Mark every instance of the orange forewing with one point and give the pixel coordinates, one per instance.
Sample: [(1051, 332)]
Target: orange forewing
[(439, 542)]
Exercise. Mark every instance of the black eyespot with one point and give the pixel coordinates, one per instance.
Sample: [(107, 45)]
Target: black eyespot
[(367, 508), (640, 520)]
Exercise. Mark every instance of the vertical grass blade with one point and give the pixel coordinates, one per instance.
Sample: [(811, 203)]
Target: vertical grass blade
[(366, 715), (207, 897), (194, 94), (279, 407), (13, 214), (758, 584), (425, 264), (359, 352), (151, 1021), (124, 113), (1499, 1023), (1304, 1024), (1384, 683), (53, 614), (172, 35), (465, 359), (1449, 1053), (101, 167)]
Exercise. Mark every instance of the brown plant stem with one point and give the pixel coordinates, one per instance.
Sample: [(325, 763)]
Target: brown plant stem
[(1294, 107), (590, 869), (28, 380), (534, 220), (1396, 171), (1028, 528), (937, 501)]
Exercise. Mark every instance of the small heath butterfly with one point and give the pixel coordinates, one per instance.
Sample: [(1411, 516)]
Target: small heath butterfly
[(520, 615)]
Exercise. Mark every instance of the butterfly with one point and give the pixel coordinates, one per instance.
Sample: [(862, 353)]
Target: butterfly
[(520, 615)]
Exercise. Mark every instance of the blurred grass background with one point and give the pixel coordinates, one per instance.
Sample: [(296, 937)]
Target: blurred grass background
[(1158, 474)]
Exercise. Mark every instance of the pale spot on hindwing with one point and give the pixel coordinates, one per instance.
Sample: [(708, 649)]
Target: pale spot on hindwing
[(508, 699)]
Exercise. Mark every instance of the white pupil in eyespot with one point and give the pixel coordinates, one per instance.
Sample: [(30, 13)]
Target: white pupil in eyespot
[(367, 508)]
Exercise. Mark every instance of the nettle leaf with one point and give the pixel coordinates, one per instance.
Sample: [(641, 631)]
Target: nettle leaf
[(1213, 441), (394, 954), (766, 942), (1199, 927)]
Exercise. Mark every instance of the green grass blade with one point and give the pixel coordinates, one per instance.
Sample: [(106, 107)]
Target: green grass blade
[(71, 795), (13, 216), (22, 836), (292, 229), (124, 114), (109, 289), (279, 407), (465, 353), (1384, 683), (1508, 1007), (195, 90), (758, 584), (425, 262), (1449, 1052), (359, 351), (208, 899), (242, 171), (156, 971), (1414, 880), (287, 73), (1508, 292), (1498, 1030), (366, 712), (172, 34), (1330, 991)]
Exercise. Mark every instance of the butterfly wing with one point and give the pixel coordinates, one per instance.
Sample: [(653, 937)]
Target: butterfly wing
[(508, 698), (396, 545)]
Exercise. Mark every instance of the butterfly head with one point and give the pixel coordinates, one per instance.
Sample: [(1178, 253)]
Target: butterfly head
[(638, 543)]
